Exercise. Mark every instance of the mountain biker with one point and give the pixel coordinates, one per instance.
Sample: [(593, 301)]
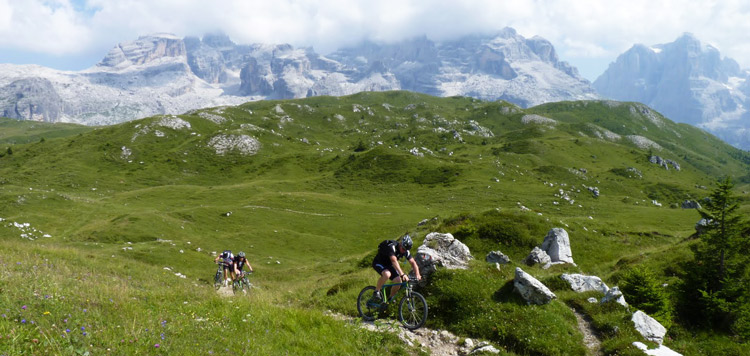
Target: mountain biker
[(225, 259), (238, 263), (386, 263)]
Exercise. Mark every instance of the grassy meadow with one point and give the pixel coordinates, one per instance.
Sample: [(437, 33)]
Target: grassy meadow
[(108, 233)]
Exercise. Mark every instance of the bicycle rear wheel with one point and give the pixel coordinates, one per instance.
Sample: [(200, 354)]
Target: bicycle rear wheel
[(412, 311), (367, 308)]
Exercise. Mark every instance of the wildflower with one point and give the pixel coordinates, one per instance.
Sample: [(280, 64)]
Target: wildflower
[(67, 331), (84, 333), (162, 336), (83, 328), (156, 346), (46, 313), (23, 307), (23, 321), (36, 341)]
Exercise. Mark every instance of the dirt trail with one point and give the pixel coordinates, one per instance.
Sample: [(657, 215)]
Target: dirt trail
[(590, 339)]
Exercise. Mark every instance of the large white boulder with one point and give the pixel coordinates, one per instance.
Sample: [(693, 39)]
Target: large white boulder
[(531, 289), (442, 250), (651, 329), (557, 246), (582, 283)]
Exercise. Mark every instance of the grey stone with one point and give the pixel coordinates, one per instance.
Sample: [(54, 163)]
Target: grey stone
[(557, 246), (533, 291), (497, 257)]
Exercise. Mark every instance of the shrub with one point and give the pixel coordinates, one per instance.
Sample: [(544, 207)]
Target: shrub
[(643, 291)]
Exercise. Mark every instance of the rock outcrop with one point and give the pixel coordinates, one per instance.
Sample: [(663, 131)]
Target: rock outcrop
[(441, 250), (31, 99)]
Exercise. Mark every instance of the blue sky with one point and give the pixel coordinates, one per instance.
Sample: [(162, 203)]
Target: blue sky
[(76, 34)]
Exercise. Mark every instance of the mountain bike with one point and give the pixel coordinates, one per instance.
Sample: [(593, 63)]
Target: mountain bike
[(412, 308), (241, 284), (219, 277)]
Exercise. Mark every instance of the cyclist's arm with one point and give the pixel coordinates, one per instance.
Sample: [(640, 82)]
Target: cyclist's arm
[(415, 268), (397, 266), (249, 267), (216, 260)]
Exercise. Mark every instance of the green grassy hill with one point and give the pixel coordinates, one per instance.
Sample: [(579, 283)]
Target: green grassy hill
[(307, 188)]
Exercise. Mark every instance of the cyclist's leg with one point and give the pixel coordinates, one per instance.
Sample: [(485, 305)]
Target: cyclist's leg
[(384, 273), (227, 275), (395, 288)]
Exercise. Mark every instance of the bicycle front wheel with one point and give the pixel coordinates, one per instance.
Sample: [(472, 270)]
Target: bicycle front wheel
[(412, 311), (366, 307), (217, 280)]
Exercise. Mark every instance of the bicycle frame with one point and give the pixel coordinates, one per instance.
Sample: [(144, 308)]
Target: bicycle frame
[(404, 286)]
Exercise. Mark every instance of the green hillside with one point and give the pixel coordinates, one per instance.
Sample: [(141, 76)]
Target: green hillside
[(307, 188)]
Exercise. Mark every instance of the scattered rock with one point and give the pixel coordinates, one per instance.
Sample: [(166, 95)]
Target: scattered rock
[(691, 204), (651, 329), (497, 257), (615, 294), (531, 289), (582, 283), (557, 246), (659, 351), (538, 255)]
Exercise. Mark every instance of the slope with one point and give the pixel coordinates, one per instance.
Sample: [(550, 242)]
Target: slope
[(308, 187)]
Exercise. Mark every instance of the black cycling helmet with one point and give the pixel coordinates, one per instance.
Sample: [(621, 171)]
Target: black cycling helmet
[(406, 242), (241, 254)]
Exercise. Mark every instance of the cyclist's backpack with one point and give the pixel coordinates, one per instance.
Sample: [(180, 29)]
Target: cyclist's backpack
[(387, 244)]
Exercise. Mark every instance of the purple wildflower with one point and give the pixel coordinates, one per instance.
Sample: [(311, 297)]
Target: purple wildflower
[(83, 328), (67, 330), (23, 307), (23, 321), (156, 346)]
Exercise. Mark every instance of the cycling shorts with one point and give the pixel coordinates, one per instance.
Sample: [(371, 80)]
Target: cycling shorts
[(379, 267)]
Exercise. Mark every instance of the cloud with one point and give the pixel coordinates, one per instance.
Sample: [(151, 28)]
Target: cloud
[(51, 27), (597, 30)]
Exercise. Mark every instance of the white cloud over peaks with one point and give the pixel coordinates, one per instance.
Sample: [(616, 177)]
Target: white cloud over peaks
[(579, 30), (51, 26)]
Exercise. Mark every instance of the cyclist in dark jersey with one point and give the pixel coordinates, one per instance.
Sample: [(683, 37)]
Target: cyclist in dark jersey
[(239, 262), (386, 263), (225, 259)]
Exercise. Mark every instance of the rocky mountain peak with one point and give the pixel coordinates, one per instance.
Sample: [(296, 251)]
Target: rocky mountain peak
[(685, 80), (144, 50)]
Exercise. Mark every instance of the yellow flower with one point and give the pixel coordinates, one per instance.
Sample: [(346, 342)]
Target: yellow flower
[(46, 313)]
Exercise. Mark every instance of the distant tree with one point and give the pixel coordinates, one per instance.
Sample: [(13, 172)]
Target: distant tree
[(717, 280)]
